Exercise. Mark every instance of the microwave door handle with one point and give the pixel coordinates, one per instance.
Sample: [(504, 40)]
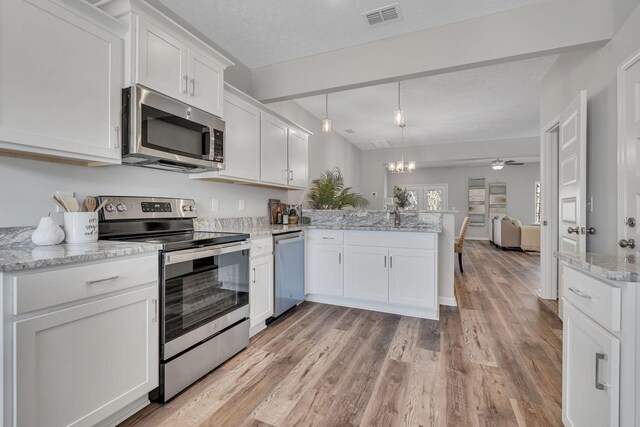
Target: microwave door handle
[(193, 254), (206, 144)]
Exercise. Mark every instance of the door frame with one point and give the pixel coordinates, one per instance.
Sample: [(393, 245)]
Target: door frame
[(622, 146), (549, 198)]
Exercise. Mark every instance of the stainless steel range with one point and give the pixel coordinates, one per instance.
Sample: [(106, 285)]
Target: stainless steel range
[(204, 285)]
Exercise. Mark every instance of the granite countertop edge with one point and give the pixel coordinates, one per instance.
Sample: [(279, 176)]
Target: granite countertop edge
[(29, 256), (608, 267), (270, 230)]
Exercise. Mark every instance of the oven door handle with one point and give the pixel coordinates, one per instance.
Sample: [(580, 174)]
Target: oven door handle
[(189, 255), (288, 241)]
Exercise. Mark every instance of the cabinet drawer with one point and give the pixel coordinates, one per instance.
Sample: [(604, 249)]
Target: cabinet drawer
[(596, 299), (37, 290), (261, 246), (391, 239), (326, 237)]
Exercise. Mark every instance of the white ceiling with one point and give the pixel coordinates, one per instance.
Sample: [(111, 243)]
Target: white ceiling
[(259, 32), (488, 103)]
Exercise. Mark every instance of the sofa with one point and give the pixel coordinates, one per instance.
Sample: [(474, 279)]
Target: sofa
[(530, 238), (509, 233)]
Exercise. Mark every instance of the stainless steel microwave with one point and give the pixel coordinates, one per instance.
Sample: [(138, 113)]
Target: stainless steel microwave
[(163, 133)]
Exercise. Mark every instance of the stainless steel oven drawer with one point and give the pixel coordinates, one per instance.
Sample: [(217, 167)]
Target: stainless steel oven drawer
[(183, 371)]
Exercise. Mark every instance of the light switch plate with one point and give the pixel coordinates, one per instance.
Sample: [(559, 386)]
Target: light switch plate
[(240, 205), (215, 205)]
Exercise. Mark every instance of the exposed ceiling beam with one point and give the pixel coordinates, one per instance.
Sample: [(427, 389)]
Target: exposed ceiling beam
[(546, 28)]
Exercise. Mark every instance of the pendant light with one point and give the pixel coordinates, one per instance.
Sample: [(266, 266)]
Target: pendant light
[(398, 115), (401, 167), (326, 123)]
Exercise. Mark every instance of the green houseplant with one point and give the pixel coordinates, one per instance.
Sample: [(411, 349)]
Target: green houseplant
[(401, 196), (328, 192)]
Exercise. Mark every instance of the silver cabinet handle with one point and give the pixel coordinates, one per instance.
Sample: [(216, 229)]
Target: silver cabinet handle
[(391, 261), (155, 311), (328, 238), (339, 257), (385, 261), (106, 279), (186, 84), (581, 294), (254, 275), (193, 87), (291, 174), (599, 357)]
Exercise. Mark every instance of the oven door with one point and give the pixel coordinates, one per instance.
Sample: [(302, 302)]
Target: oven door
[(204, 291), (166, 129)]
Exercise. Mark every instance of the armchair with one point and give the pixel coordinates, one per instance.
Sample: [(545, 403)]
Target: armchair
[(507, 233)]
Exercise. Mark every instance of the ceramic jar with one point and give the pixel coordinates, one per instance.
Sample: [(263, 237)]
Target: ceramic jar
[(47, 233)]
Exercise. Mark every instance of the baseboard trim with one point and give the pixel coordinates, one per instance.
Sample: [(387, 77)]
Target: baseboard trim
[(257, 328), (422, 313), (448, 301), (484, 239)]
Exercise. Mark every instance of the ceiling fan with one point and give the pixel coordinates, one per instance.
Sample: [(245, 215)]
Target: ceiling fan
[(498, 164)]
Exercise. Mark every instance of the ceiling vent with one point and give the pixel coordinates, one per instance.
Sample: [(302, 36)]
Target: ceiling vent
[(381, 143), (383, 15)]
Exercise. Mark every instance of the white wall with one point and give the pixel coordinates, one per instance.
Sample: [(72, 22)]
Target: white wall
[(520, 189), (26, 188), (326, 150), (596, 71)]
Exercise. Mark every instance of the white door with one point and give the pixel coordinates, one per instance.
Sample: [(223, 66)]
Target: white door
[(261, 290), (629, 148), (242, 140), (162, 61), (366, 273), (413, 277), (60, 84), (298, 142), (79, 365), (326, 274), (572, 173), (590, 372), (206, 86), (273, 151)]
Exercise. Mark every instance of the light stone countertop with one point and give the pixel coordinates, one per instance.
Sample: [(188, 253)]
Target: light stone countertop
[(608, 267), (269, 230)]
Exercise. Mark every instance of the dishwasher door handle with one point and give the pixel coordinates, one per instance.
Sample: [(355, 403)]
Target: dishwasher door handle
[(289, 241)]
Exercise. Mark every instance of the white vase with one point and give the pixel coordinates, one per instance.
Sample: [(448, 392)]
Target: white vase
[(47, 233)]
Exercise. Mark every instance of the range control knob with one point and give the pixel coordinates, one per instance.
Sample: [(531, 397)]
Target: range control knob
[(110, 207), (192, 208), (121, 207), (185, 208)]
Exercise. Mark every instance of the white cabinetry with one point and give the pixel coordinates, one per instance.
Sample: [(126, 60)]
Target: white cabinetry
[(61, 79), (87, 355), (273, 153), (261, 287), (170, 60), (393, 272), (297, 158), (242, 145)]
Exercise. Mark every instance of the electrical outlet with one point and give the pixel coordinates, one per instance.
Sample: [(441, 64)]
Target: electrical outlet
[(240, 205), (215, 205), (63, 194)]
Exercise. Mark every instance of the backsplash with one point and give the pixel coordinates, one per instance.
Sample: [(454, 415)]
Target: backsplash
[(375, 218), (212, 224)]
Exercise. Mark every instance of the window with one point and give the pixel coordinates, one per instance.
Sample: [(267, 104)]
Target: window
[(430, 197), (538, 202)]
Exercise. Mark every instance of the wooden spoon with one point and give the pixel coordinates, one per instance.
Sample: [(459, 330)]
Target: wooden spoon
[(90, 204), (102, 205)]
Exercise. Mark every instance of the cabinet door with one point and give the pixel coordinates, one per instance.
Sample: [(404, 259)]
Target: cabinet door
[(273, 151), (366, 273), (79, 365), (261, 291), (298, 147), (412, 277), (326, 274), (205, 83), (242, 140), (61, 79), (590, 372), (162, 61)]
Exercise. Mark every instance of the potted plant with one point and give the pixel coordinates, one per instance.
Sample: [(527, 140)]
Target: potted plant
[(401, 197), (328, 192)]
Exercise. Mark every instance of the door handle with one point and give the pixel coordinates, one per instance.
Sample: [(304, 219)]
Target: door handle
[(193, 87), (254, 275), (591, 230), (631, 244), (390, 261), (630, 222), (385, 261), (599, 357), (580, 293), (186, 84), (339, 258), (107, 279), (155, 311), (573, 230)]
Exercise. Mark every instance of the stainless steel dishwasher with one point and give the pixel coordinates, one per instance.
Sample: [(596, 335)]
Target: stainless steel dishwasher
[(289, 271)]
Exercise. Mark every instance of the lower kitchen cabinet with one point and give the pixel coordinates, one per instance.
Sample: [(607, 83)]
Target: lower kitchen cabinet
[(413, 277), (366, 273), (261, 291), (326, 275), (79, 365)]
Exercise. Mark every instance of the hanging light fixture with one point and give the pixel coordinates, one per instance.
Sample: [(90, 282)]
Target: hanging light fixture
[(497, 164), (326, 122), (398, 115), (401, 167)]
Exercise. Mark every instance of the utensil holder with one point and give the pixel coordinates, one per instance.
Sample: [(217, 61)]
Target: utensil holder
[(81, 227)]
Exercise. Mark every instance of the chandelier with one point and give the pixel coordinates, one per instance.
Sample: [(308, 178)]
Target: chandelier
[(497, 164), (401, 166)]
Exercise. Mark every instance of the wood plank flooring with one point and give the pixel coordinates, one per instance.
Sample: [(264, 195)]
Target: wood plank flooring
[(495, 360)]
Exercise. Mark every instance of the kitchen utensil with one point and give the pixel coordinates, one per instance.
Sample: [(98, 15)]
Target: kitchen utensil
[(58, 197), (102, 205), (59, 203), (90, 204), (72, 204)]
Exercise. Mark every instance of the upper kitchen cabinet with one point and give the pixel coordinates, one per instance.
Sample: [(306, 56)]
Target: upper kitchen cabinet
[(297, 157), (172, 61), (60, 80), (273, 153)]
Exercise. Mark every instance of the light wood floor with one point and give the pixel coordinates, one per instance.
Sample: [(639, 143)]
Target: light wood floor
[(494, 360)]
